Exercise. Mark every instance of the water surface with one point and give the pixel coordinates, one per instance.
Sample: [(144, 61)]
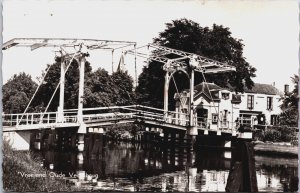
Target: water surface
[(134, 167)]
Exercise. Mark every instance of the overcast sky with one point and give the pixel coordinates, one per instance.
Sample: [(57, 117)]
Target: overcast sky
[(269, 30)]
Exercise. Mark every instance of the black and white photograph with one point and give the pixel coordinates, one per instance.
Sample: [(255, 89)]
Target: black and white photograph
[(150, 96)]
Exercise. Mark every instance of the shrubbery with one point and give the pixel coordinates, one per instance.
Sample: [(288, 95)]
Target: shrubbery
[(16, 162), (277, 134), (123, 132)]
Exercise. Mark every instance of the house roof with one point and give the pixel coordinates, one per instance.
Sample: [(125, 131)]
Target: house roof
[(204, 88), (263, 89), (211, 86)]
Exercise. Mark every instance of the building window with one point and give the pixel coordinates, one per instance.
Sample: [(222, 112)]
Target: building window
[(245, 119), (274, 120), (214, 118), (269, 103), (224, 119), (225, 96), (250, 102)]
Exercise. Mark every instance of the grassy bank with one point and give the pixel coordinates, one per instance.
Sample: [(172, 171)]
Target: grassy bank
[(276, 140), (281, 149), (22, 173)]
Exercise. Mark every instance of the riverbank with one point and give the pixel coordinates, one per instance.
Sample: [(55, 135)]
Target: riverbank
[(284, 149), (22, 172)]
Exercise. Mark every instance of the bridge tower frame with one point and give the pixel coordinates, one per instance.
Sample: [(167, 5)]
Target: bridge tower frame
[(81, 47), (185, 62)]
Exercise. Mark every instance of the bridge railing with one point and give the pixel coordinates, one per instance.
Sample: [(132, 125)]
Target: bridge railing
[(111, 113), (226, 126), (159, 115), (143, 112), (27, 118), (178, 118), (37, 118)]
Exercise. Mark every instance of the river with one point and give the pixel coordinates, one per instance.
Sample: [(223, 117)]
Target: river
[(135, 167)]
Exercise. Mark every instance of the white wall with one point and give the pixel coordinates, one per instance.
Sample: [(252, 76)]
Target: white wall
[(260, 104)]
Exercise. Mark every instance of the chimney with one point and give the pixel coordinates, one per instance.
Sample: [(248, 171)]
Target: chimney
[(273, 84), (286, 88)]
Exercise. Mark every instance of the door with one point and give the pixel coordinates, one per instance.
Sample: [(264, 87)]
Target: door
[(202, 117)]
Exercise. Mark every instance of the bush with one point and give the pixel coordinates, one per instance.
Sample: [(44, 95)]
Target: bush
[(272, 135), (288, 134), (17, 162), (277, 134), (258, 135), (122, 132)]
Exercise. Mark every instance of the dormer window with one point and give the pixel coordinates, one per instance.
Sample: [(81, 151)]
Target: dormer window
[(225, 96)]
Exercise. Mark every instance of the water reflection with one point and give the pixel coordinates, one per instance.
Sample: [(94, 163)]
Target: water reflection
[(277, 174), (133, 167)]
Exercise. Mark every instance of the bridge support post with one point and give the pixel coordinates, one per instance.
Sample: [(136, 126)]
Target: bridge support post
[(242, 175), (81, 88), (97, 148), (166, 96), (80, 136), (192, 131), (177, 116), (80, 147), (51, 139), (60, 110), (191, 103)]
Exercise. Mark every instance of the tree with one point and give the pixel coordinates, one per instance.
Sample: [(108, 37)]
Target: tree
[(104, 90), (289, 107), (124, 88), (216, 43), (17, 93), (99, 91), (100, 88), (52, 80)]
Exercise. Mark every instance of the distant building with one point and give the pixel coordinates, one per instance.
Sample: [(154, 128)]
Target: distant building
[(218, 107)]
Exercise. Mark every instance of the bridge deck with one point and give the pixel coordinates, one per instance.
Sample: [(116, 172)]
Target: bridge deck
[(103, 116)]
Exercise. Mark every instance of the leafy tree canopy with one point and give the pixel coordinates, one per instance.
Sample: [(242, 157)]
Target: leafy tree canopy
[(123, 88), (215, 43), (101, 89), (17, 92), (289, 107), (52, 80)]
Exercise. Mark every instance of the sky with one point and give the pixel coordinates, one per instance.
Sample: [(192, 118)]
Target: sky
[(269, 30)]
